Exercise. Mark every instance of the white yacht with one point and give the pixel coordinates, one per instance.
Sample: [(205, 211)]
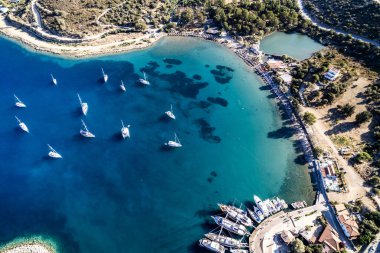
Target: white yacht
[(236, 214), (18, 102), (105, 76), (125, 131), (254, 216), (210, 245), (226, 241), (52, 153), (144, 80), (239, 251), (122, 86), (174, 144), (260, 204), (83, 105), (170, 113), (84, 132), (259, 213), (53, 80), (231, 226), (22, 125)]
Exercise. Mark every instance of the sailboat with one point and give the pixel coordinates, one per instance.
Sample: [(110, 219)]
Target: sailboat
[(174, 144), (53, 80), (259, 213), (238, 251), (260, 204), (144, 80), (105, 76), (52, 153), (231, 226), (254, 216), (211, 245), (85, 132), (170, 113), (122, 86), (22, 125), (83, 105), (226, 241), (236, 214), (18, 102), (125, 131)]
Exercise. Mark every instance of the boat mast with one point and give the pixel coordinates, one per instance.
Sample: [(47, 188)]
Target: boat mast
[(19, 121), (18, 100), (103, 72), (84, 125), (122, 123), (80, 100)]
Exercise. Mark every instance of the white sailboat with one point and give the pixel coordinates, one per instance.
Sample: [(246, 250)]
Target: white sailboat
[(53, 80), (170, 113), (85, 132), (144, 80), (18, 102), (174, 144), (211, 245), (225, 240), (22, 125), (52, 153), (122, 86), (105, 76), (125, 131), (83, 105)]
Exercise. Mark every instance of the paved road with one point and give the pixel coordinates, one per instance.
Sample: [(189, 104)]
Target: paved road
[(306, 16)]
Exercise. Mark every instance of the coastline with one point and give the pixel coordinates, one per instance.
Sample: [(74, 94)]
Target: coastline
[(35, 244)]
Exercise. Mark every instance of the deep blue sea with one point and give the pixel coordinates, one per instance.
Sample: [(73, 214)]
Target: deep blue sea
[(113, 195)]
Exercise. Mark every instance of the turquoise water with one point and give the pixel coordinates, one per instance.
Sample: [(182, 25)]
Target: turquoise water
[(114, 195), (296, 45)]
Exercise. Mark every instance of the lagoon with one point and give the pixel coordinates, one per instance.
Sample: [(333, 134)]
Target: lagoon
[(113, 195)]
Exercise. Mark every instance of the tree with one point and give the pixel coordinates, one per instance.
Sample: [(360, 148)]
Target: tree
[(363, 117), (317, 151), (346, 110), (363, 157), (187, 16), (309, 118), (298, 246), (140, 25), (374, 181)]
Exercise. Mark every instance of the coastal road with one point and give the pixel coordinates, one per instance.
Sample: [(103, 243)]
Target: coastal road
[(307, 16)]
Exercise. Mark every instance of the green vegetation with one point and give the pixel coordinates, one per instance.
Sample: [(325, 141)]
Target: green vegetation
[(309, 118), (363, 157), (363, 117), (359, 17), (298, 246), (346, 110)]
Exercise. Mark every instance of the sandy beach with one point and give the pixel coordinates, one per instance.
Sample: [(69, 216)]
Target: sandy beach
[(29, 245), (110, 44)]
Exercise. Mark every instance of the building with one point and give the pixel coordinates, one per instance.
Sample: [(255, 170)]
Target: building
[(4, 10), (213, 31), (330, 240), (332, 74), (347, 222), (287, 236), (276, 64)]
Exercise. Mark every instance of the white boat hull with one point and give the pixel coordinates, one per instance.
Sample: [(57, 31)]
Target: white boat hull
[(174, 144), (143, 81), (84, 108), (125, 132), (20, 105), (24, 127), (105, 78), (170, 114), (54, 155), (87, 134)]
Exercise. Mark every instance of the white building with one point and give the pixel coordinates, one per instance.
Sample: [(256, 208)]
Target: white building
[(332, 74)]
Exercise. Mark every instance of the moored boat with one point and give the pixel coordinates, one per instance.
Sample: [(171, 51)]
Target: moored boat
[(260, 204), (125, 131), (254, 216), (211, 245), (238, 251), (144, 80), (170, 113), (283, 203), (174, 144), (236, 214), (122, 86), (22, 125), (53, 80), (226, 241), (83, 105), (230, 226), (52, 153), (84, 132), (259, 213), (105, 76), (18, 102)]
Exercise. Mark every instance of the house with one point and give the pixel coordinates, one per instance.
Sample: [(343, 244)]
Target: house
[(287, 236), (276, 64), (332, 74), (330, 240), (213, 31), (347, 222), (4, 10), (287, 78), (328, 171)]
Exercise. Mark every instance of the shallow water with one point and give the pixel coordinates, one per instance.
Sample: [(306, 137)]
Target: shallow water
[(114, 195), (296, 45)]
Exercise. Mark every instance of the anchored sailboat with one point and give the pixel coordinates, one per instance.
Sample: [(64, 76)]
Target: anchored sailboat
[(85, 132), (122, 86), (230, 226), (53, 80), (226, 241), (211, 245), (170, 113), (22, 125), (83, 105), (105, 76), (144, 80), (125, 131), (236, 214), (174, 144), (52, 153), (18, 102)]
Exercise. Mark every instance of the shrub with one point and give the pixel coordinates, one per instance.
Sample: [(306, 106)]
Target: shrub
[(363, 117), (309, 118)]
